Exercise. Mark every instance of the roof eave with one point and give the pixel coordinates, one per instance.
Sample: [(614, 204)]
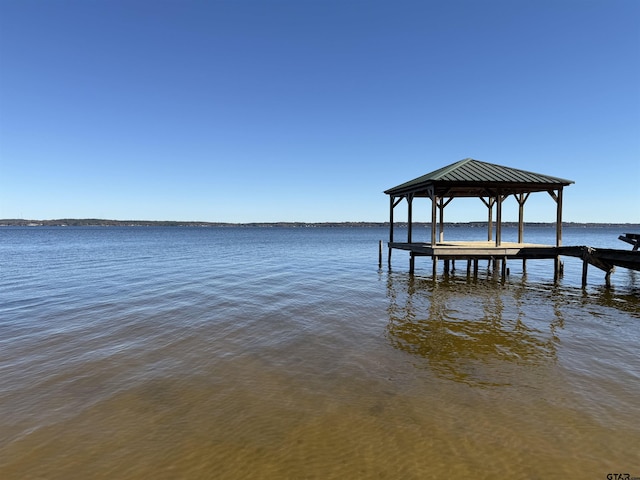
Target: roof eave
[(479, 187)]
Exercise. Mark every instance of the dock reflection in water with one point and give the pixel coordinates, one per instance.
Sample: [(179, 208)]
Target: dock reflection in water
[(545, 373), (470, 332)]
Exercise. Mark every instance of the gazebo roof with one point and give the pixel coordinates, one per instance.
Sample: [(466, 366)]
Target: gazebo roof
[(472, 178)]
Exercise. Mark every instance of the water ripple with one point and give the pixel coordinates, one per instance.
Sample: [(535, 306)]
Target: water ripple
[(286, 353)]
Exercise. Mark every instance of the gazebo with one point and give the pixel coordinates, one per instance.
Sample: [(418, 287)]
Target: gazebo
[(472, 178)]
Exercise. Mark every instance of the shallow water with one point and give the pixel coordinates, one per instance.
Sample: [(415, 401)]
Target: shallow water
[(286, 353)]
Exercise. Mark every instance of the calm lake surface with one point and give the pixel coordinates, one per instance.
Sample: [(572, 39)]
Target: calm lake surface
[(270, 353)]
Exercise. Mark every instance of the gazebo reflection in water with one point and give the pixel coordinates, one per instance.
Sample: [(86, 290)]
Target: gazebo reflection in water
[(478, 333)]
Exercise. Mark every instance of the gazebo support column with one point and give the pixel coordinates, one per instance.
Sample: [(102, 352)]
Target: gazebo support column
[(393, 202), (391, 199), (499, 220), (557, 196), (521, 198), (559, 231), (434, 204), (490, 220), (489, 203), (441, 205), (410, 218), (412, 259), (441, 215), (559, 219)]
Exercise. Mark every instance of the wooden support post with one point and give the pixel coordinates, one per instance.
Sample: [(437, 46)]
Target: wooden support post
[(503, 270), (489, 203), (559, 219), (412, 263), (453, 265), (521, 198), (490, 220), (435, 266), (441, 209), (475, 267), (499, 221), (410, 219), (446, 266), (607, 278), (561, 266), (585, 268), (468, 266), (558, 198), (392, 204), (380, 254), (434, 202), (520, 217), (441, 205)]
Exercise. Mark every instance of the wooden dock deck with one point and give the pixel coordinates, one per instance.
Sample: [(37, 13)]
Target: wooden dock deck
[(479, 249), (606, 259)]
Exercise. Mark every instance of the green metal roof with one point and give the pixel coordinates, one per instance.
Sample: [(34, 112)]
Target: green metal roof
[(471, 177)]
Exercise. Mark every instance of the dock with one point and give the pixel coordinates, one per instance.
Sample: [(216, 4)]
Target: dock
[(605, 259), (493, 185)]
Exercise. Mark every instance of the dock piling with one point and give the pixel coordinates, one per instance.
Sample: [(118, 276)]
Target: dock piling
[(585, 268)]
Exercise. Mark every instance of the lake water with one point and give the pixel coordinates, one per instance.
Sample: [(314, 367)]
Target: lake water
[(271, 353)]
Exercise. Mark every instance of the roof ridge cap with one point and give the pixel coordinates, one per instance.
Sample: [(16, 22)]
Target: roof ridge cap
[(450, 168)]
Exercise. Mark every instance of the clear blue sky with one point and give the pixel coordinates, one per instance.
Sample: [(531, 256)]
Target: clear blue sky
[(306, 110)]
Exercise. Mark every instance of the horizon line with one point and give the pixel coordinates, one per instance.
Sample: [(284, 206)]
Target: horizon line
[(107, 222)]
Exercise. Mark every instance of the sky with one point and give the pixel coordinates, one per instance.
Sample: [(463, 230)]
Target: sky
[(307, 110)]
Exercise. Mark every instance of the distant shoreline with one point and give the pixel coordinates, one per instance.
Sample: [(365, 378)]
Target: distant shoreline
[(94, 222)]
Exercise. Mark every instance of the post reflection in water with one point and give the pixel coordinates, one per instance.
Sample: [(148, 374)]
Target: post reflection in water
[(477, 332)]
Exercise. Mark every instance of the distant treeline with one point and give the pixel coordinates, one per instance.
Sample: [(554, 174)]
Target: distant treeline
[(95, 222)]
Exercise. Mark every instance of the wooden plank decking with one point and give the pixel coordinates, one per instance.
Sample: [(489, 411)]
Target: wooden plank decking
[(472, 250)]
